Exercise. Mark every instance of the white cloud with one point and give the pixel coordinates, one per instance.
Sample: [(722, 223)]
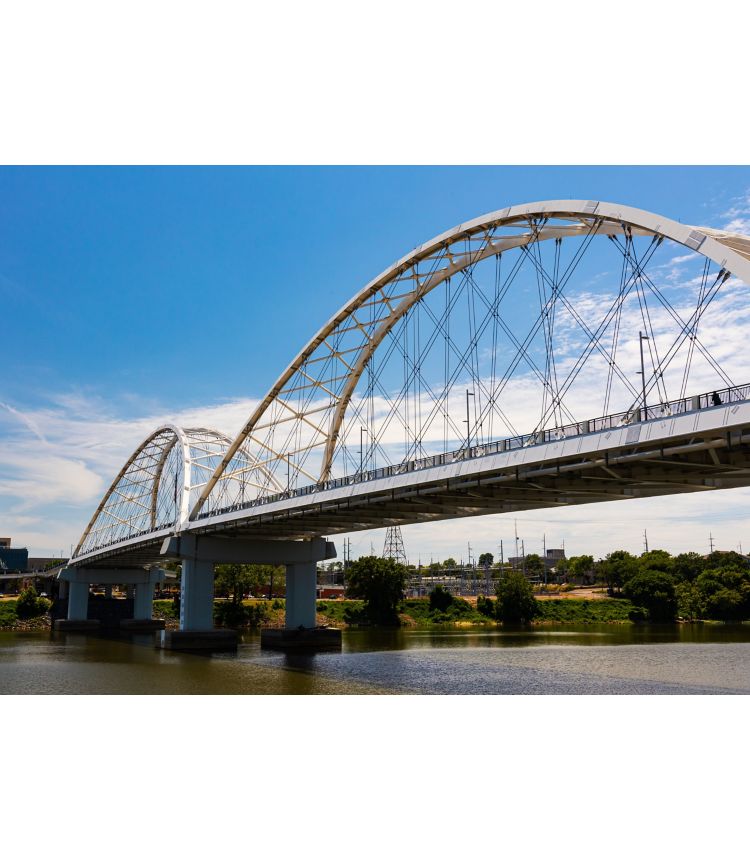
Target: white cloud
[(738, 215), (738, 225), (57, 460)]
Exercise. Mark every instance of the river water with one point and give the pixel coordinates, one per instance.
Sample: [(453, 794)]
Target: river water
[(669, 659)]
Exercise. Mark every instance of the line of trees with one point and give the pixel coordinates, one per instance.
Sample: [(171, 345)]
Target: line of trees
[(688, 585)]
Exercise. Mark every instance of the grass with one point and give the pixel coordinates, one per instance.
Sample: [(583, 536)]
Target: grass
[(579, 611), (8, 616), (415, 612), (164, 609)]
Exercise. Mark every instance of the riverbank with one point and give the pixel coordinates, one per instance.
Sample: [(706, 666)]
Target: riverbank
[(415, 613)]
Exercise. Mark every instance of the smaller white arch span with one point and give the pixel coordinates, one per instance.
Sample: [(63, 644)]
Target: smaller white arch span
[(154, 489)]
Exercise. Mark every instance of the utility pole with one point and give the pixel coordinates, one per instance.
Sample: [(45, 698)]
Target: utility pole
[(468, 425), (515, 528), (645, 539), (711, 541), (641, 338), (523, 559)]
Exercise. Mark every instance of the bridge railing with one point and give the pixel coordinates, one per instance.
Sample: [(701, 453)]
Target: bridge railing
[(684, 405), (637, 415)]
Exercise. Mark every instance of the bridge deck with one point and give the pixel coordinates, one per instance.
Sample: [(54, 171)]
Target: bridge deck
[(696, 450)]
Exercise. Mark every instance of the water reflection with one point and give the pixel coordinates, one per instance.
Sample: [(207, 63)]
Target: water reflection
[(680, 658)]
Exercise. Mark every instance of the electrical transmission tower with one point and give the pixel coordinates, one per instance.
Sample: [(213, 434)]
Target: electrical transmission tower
[(394, 545)]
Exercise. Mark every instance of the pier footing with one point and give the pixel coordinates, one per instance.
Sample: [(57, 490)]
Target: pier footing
[(306, 639), (197, 640), (78, 625), (141, 625)]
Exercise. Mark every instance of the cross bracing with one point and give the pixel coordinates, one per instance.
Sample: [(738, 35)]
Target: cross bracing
[(519, 323)]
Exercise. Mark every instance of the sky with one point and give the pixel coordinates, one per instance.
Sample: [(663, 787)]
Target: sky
[(133, 297)]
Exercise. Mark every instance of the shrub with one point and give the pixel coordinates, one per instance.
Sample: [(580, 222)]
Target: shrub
[(654, 591), (726, 604), (486, 605), (29, 605), (228, 614), (440, 599)]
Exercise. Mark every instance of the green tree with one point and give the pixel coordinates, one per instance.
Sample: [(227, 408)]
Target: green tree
[(725, 593), (235, 580), (516, 603), (580, 566), (723, 560), (687, 566), (690, 603), (486, 558), (380, 583), (534, 564), (656, 559), (617, 568), (655, 592), (449, 563), (726, 604)]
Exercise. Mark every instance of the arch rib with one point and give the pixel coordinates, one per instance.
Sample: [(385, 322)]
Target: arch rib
[(729, 251)]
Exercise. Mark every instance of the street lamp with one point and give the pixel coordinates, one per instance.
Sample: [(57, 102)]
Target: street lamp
[(641, 338), (468, 425), (362, 431)]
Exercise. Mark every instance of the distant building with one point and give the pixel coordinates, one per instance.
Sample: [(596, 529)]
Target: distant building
[(43, 563), (14, 560)]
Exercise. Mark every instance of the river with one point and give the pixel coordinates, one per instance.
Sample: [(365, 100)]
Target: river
[(684, 658)]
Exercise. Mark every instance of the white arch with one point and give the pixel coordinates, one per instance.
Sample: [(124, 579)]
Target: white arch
[(729, 251), (197, 447)]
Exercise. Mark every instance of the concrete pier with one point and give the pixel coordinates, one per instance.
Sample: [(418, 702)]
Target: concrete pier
[(301, 585), (197, 640), (197, 595), (304, 639)]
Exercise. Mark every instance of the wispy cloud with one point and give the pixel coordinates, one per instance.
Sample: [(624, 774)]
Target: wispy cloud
[(58, 458), (738, 215)]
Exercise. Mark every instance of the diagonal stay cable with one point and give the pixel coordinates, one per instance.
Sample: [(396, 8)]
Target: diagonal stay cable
[(594, 338)]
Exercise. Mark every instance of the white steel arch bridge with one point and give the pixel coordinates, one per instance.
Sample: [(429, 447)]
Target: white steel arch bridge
[(547, 354)]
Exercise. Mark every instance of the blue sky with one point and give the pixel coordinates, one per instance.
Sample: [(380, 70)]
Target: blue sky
[(132, 295)]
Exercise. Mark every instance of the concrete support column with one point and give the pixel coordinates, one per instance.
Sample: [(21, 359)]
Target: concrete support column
[(143, 607), (62, 589), (301, 582), (197, 595), (78, 601)]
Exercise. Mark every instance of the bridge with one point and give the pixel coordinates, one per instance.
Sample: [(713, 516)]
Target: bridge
[(543, 355)]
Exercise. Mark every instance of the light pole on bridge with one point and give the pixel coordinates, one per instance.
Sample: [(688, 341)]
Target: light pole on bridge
[(641, 338), (362, 431), (468, 425)]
